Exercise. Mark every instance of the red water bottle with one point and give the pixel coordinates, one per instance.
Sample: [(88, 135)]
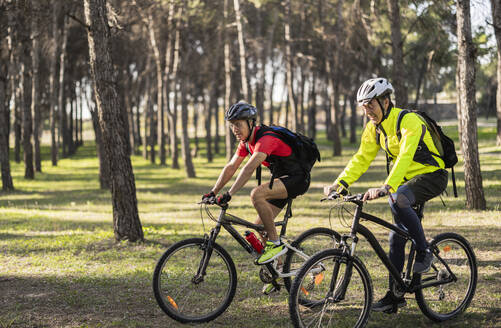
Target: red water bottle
[(255, 243)]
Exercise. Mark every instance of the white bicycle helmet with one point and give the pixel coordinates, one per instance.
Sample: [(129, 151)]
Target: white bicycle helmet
[(373, 88)]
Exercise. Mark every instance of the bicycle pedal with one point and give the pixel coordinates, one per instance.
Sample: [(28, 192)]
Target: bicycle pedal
[(271, 288), (393, 310)]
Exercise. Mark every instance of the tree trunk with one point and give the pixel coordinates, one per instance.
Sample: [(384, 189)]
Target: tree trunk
[(5, 75), (334, 109), (227, 78), (18, 96), (466, 62), (185, 141), (496, 18), (146, 111), (312, 107), (160, 107), (61, 106), (4, 135), (300, 125), (111, 119), (196, 113), (208, 124), (270, 94), (173, 111), (104, 165), (398, 69), (52, 83), (241, 49), (35, 83), (289, 64), (353, 119), (25, 12), (342, 120), (71, 143)]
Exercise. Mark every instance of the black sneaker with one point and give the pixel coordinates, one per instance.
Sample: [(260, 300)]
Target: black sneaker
[(423, 261), (389, 303)]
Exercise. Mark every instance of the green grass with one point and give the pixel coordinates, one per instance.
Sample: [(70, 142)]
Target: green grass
[(60, 266)]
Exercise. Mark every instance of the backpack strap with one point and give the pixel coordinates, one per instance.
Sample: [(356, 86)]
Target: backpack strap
[(386, 148), (256, 137), (454, 183), (399, 121)]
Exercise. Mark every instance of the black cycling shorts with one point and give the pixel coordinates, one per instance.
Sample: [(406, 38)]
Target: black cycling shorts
[(296, 185)]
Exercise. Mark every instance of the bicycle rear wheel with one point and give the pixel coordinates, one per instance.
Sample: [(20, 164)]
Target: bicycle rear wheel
[(186, 299), (320, 282), (309, 242), (448, 300)]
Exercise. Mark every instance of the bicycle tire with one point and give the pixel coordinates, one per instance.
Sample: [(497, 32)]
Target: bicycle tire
[(179, 296), (326, 312), (310, 242), (458, 254)]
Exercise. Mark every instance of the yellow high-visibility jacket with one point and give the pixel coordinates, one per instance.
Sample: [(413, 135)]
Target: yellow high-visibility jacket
[(411, 153)]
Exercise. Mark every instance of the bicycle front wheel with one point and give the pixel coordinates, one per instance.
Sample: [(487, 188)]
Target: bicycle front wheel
[(447, 300), (182, 294), (338, 289)]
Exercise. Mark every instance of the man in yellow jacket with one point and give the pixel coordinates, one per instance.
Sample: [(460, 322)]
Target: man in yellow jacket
[(417, 174)]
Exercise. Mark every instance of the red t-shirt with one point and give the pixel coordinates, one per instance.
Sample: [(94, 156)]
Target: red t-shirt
[(268, 145)]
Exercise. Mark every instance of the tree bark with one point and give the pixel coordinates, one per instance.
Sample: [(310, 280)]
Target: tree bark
[(312, 107), (172, 113), (185, 141), (398, 69), (6, 72), (27, 121), (7, 184), (35, 83), (289, 64), (61, 106), (52, 83), (334, 109), (353, 119), (241, 49), (111, 119), (496, 19), (466, 63), (146, 111), (18, 107), (227, 78), (104, 166)]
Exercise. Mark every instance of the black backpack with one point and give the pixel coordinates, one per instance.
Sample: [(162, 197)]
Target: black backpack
[(444, 144), (303, 147)]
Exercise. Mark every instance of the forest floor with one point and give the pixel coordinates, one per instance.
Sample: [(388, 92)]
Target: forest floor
[(60, 265)]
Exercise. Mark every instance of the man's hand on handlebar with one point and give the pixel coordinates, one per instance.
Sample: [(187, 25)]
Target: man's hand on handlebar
[(209, 198), (223, 199), (335, 188), (374, 193)]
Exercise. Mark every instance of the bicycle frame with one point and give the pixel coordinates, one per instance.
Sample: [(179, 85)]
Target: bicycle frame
[(407, 285), (227, 221)]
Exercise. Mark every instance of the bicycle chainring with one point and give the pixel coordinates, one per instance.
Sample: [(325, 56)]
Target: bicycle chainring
[(265, 275)]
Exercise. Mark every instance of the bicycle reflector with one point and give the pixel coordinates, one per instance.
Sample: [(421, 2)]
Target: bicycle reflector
[(304, 291), (447, 248), (172, 302), (318, 278)]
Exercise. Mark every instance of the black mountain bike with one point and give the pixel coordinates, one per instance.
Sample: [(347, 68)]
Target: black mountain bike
[(339, 289), (195, 279)]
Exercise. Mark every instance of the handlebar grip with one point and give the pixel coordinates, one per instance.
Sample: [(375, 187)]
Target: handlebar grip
[(381, 194)]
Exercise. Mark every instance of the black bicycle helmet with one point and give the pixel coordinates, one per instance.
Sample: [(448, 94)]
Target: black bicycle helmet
[(241, 111)]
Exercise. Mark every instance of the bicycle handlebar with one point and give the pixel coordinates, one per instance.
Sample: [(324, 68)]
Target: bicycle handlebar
[(349, 198)]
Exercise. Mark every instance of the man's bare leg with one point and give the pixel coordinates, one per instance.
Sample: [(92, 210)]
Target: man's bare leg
[(266, 211)]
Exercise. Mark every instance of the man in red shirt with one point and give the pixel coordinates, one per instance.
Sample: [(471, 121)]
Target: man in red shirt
[(291, 179)]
